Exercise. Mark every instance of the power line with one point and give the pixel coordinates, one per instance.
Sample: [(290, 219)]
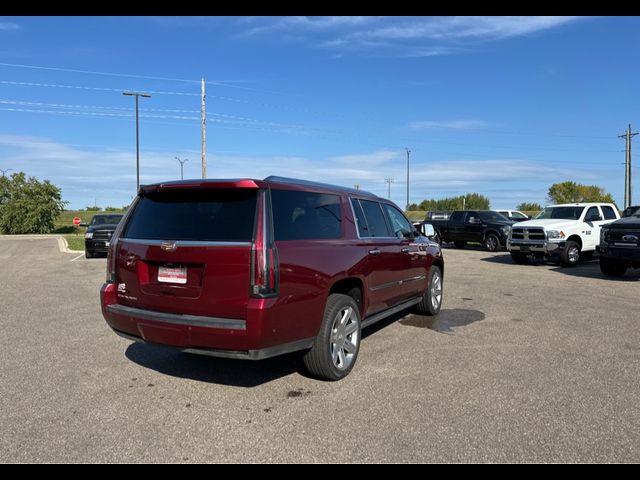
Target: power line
[(144, 77)]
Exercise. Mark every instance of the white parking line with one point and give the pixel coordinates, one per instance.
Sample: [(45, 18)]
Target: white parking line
[(81, 255)]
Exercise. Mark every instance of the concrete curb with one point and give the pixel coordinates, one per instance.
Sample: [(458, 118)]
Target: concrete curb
[(63, 246)]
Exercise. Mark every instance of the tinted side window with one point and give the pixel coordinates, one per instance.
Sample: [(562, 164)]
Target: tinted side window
[(375, 219), (456, 217), (608, 213), (399, 224), (198, 215), (361, 222), (592, 214), (305, 215)]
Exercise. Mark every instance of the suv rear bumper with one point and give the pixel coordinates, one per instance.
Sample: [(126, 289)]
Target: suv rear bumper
[(259, 354), (251, 338)]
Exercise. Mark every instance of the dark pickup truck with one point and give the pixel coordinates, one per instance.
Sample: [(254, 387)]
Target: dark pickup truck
[(482, 226), (619, 246)]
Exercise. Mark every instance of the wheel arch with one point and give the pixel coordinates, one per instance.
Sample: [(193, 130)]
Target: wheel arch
[(347, 286), (575, 238)]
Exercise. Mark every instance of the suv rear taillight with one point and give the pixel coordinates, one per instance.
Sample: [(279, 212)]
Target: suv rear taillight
[(264, 255), (112, 253)]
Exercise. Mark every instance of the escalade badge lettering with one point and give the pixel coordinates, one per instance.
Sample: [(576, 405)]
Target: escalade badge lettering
[(169, 246), (630, 238)]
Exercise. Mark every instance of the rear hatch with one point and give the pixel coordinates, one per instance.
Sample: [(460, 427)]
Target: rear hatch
[(187, 249)]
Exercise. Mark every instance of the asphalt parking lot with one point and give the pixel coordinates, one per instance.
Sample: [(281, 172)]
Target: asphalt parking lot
[(530, 363)]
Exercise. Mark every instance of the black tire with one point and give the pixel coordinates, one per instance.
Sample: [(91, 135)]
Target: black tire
[(88, 254), (612, 268), (570, 256), (460, 244), (335, 349), (519, 258), (492, 242), (431, 302)]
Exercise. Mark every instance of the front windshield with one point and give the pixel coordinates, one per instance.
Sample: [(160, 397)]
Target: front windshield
[(564, 213), (491, 216), (106, 219)]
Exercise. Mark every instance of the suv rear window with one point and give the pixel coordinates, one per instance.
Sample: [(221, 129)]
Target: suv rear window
[(197, 215), (305, 215)]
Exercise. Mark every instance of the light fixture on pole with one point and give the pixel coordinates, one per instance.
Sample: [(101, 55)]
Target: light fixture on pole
[(145, 95), (181, 166)]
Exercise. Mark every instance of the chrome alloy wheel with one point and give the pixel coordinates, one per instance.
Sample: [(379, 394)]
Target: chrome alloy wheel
[(436, 290), (345, 336), (573, 254)]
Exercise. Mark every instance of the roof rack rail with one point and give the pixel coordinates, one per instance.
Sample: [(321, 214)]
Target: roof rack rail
[(308, 183)]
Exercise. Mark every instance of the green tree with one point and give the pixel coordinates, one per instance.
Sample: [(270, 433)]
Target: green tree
[(529, 207), (28, 205), (473, 201), (95, 208), (572, 192)]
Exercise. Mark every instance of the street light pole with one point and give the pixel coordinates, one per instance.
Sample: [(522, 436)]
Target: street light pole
[(145, 95), (181, 165), (408, 153)]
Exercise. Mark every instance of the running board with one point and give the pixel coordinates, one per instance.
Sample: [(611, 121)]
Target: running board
[(387, 313)]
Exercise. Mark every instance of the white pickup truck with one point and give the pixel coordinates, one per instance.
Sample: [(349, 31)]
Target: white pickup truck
[(565, 231)]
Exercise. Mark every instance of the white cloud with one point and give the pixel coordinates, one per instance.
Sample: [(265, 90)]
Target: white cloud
[(108, 177), (402, 36), (9, 27), (461, 124), (440, 28)]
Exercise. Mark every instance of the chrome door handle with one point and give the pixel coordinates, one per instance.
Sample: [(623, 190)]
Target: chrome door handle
[(374, 251), (404, 250)]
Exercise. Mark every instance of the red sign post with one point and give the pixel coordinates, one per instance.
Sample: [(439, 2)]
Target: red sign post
[(76, 221)]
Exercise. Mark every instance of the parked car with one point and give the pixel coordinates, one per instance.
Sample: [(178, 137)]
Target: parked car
[(565, 232), (99, 233), (633, 210), (250, 269), (514, 215), (483, 226), (619, 247)]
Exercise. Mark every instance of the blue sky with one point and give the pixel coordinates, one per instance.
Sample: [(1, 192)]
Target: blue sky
[(502, 106)]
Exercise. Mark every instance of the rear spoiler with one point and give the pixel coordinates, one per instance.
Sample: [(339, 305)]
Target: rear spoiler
[(204, 183)]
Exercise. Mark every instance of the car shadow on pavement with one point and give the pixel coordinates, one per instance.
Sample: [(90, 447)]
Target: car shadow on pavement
[(499, 257), (238, 373), (591, 269)]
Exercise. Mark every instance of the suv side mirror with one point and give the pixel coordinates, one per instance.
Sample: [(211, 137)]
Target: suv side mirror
[(84, 224), (429, 230)]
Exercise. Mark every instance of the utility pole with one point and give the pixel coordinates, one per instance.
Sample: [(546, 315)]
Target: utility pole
[(145, 95), (5, 171), (408, 153), (389, 180), (182, 162), (203, 114), (628, 199)]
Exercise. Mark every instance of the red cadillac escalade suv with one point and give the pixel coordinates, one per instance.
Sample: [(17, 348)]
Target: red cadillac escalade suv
[(256, 268)]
